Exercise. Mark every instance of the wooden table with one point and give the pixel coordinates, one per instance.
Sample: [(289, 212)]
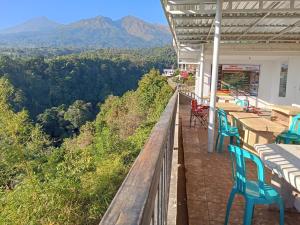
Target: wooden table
[(284, 113), (225, 98), (229, 107), (241, 115), (284, 161), (257, 130)]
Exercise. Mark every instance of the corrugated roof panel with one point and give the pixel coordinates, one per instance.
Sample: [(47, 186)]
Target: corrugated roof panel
[(234, 21), (295, 30), (267, 29), (245, 17)]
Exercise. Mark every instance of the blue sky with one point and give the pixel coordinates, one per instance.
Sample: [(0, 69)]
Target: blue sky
[(13, 12)]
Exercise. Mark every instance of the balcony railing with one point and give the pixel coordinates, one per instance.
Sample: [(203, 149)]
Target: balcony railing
[(143, 196)]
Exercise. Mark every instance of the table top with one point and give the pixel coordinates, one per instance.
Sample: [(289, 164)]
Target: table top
[(286, 109), (229, 107), (243, 115), (283, 159), (225, 97), (262, 124)]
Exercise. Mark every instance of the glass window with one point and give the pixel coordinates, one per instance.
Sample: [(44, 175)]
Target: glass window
[(283, 80)]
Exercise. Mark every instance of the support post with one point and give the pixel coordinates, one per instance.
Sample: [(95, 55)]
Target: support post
[(201, 74), (197, 82), (178, 58), (214, 78)]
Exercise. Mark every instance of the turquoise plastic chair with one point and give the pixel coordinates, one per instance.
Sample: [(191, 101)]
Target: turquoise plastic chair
[(292, 135), (225, 130), (243, 103), (254, 192)]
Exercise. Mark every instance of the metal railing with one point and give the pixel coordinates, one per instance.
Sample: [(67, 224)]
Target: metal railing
[(186, 91), (143, 196)]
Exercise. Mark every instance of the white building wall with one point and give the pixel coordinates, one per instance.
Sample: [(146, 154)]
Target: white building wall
[(293, 82), (207, 76), (270, 66)]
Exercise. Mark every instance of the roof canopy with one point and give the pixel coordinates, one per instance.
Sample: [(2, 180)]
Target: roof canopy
[(243, 21)]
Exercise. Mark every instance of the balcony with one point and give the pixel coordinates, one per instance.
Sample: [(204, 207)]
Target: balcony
[(176, 181)]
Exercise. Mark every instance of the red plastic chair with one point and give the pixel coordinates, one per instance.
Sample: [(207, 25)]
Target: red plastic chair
[(199, 112)]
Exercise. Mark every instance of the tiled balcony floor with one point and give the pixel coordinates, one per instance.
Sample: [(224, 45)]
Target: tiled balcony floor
[(208, 183)]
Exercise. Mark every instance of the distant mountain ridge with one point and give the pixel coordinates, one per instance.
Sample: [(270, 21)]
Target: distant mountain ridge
[(97, 32)]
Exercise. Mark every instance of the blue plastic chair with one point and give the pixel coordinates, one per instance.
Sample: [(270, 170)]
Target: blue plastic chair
[(225, 130), (254, 192), (243, 103), (292, 135)]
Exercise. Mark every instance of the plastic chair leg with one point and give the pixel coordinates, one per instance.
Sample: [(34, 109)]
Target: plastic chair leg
[(231, 140), (221, 143), (238, 143), (281, 208), (229, 204), (216, 147), (248, 213), (286, 140)]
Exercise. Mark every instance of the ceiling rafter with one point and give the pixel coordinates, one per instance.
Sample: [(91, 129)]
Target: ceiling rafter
[(252, 26), (286, 30), (210, 29)]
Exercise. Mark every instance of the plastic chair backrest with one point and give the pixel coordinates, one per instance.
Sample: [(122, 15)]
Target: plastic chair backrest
[(223, 122), (243, 103), (194, 104), (239, 168), (295, 125)]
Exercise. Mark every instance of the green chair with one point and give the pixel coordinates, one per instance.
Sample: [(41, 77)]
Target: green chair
[(254, 191), (292, 135), (225, 130)]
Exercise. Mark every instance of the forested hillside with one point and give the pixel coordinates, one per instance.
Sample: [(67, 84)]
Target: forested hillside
[(73, 183), (61, 93)]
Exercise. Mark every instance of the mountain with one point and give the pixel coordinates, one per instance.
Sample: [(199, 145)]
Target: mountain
[(97, 32), (34, 25)]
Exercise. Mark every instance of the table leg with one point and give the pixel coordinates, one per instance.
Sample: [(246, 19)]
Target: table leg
[(290, 120), (285, 190)]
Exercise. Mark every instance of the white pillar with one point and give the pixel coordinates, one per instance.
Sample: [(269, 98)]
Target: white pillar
[(201, 74), (197, 83), (178, 58), (214, 78)]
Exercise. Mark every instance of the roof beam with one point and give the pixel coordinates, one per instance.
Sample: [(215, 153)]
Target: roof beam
[(197, 2), (246, 41), (286, 30), (253, 25), (202, 11), (210, 29), (196, 26), (259, 20), (208, 6), (196, 36), (237, 16)]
